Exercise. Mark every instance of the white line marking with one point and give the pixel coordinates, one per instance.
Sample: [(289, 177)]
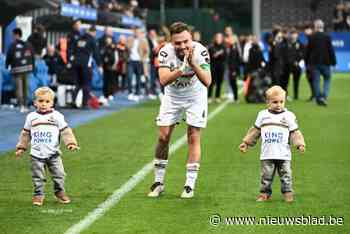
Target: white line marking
[(113, 199)]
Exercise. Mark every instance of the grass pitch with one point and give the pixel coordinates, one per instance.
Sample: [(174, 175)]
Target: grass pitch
[(115, 147)]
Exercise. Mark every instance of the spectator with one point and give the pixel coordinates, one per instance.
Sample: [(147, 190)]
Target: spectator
[(108, 33), (278, 58), (72, 39), (122, 63), (255, 56), (308, 69), (108, 61), (137, 47), (86, 49), (217, 53), (38, 40), (234, 62), (152, 39), (54, 62), (320, 55), (295, 55), (20, 57), (338, 17)]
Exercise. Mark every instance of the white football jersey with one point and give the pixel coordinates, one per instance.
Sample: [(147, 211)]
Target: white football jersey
[(275, 129), (187, 85), (45, 132)]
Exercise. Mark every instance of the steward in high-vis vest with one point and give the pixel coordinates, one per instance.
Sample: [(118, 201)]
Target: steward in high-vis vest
[(20, 59)]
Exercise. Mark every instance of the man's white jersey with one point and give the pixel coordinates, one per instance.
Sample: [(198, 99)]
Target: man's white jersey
[(45, 133), (187, 85), (275, 129)]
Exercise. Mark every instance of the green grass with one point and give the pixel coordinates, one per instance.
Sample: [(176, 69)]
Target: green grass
[(117, 146)]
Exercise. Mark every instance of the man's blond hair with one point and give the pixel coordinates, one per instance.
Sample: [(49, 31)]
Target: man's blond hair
[(44, 90), (275, 91)]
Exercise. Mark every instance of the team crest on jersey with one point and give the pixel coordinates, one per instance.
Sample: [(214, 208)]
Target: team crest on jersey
[(283, 121), (51, 119)]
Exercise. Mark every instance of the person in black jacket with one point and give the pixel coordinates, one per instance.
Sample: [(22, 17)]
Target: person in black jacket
[(108, 61), (108, 33), (234, 62), (86, 50), (295, 55), (278, 58), (20, 57), (38, 40), (308, 69), (217, 53), (255, 58), (54, 63), (320, 55), (72, 40)]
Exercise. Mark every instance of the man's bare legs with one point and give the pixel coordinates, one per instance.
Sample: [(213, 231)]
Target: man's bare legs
[(161, 159), (194, 155)]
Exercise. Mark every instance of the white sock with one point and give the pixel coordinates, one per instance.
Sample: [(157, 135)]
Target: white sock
[(159, 170), (191, 174)]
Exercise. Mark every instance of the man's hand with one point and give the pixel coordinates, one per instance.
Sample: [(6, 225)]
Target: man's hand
[(190, 57), (243, 147), (184, 63), (19, 153)]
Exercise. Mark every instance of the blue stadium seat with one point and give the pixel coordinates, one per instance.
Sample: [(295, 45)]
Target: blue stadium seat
[(8, 84)]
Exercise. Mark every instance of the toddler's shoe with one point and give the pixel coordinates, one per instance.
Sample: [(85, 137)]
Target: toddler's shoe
[(62, 197), (38, 200), (288, 197), (263, 197)]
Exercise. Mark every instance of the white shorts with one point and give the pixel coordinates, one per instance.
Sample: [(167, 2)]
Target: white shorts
[(172, 109)]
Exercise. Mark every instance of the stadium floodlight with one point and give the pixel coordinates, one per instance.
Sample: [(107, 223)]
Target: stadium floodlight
[(256, 17), (162, 12)]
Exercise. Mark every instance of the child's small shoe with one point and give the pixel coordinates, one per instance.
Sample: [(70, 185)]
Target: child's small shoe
[(38, 200), (62, 197), (288, 197), (263, 197)]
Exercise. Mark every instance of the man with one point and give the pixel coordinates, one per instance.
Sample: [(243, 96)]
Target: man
[(20, 57), (185, 72), (138, 51), (54, 62), (218, 56), (320, 56), (86, 50), (152, 39), (38, 40), (308, 31), (295, 55), (72, 40), (102, 45)]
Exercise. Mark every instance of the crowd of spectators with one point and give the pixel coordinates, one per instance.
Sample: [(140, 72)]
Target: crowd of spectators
[(128, 7), (341, 17)]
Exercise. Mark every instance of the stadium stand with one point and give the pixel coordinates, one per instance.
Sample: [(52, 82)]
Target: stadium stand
[(289, 13)]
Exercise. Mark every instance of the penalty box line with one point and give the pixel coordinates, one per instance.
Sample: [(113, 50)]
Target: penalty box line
[(119, 193)]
